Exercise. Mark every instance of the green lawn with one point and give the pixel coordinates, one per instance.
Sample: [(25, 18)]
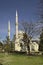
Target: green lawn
[(17, 59)]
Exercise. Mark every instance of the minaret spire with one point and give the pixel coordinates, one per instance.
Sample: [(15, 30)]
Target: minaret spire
[(17, 45), (9, 29), (16, 24)]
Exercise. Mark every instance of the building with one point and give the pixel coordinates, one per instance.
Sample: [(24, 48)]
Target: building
[(19, 44), (19, 41), (34, 46)]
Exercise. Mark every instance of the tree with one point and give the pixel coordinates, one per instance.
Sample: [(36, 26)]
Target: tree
[(7, 39), (7, 46), (29, 28), (1, 46), (12, 46), (33, 29), (26, 42), (41, 42)]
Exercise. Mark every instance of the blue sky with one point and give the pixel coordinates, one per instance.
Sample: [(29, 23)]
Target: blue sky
[(27, 10)]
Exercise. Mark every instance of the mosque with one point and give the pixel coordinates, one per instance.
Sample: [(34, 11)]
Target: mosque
[(34, 46)]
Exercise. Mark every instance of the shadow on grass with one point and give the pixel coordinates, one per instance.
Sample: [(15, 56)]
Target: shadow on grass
[(1, 64)]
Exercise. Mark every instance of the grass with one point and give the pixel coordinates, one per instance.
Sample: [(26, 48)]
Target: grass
[(17, 59)]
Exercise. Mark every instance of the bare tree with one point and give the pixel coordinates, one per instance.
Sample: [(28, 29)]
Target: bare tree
[(29, 28)]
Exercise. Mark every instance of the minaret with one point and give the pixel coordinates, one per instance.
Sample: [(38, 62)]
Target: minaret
[(16, 25), (9, 29), (17, 44)]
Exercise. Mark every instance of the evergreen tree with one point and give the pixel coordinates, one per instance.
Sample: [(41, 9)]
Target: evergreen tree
[(41, 42), (26, 42)]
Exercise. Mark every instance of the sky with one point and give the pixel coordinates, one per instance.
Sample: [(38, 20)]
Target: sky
[(26, 11)]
